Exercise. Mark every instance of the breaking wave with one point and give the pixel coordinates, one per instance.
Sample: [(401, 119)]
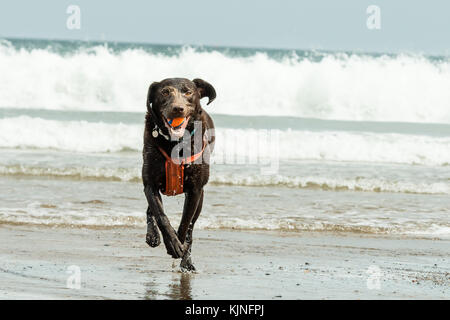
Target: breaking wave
[(336, 86)]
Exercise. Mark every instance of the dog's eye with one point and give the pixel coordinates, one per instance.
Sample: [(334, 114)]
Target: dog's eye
[(188, 93), (165, 92)]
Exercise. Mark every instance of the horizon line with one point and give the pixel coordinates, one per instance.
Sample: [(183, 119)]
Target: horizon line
[(286, 49)]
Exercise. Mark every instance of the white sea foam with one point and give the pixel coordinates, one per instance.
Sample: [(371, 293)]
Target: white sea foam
[(350, 87), (43, 214), (78, 136), (82, 136), (335, 183)]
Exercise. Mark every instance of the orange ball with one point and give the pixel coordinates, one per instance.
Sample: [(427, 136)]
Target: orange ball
[(175, 122)]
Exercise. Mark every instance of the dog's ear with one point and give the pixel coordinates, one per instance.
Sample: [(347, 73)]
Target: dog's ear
[(205, 89), (151, 94)]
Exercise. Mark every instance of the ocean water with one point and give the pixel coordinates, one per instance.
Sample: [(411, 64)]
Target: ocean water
[(306, 140)]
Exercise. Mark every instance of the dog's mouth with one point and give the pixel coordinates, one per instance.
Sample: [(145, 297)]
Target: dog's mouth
[(176, 126)]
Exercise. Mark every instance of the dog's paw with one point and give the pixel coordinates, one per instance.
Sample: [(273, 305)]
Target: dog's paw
[(153, 239), (186, 265)]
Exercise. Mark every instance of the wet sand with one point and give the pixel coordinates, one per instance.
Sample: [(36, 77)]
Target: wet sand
[(117, 264)]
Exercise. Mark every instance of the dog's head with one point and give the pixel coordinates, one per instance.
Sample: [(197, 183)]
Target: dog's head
[(175, 101)]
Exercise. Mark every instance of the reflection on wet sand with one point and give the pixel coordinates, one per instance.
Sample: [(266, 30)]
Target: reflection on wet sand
[(179, 288)]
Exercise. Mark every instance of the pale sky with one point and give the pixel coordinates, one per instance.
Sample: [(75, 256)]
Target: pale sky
[(406, 25)]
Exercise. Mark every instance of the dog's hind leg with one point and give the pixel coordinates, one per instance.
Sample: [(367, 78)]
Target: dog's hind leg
[(152, 238), (191, 203), (186, 261)]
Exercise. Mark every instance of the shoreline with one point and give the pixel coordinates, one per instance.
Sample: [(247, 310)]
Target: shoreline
[(117, 264)]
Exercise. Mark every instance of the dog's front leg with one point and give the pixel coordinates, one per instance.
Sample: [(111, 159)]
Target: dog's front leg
[(174, 247), (152, 238)]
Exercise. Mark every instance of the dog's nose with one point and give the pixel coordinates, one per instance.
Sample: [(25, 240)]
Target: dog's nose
[(179, 109)]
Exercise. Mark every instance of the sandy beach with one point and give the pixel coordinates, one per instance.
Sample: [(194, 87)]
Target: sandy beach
[(117, 264)]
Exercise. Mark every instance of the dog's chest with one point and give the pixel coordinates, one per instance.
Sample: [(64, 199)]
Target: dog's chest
[(195, 176)]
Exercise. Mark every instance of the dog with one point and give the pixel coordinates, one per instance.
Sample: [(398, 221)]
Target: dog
[(164, 171)]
